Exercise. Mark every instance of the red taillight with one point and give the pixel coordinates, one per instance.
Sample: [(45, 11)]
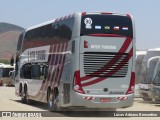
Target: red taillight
[(132, 84), (85, 44), (83, 13), (77, 83)]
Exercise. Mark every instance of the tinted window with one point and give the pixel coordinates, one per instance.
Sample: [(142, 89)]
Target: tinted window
[(157, 79), (58, 32), (106, 24), (1, 71), (37, 71), (150, 71)]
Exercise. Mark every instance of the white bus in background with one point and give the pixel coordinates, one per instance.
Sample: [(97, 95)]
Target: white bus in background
[(155, 88), (138, 64), (146, 74), (5, 69), (82, 60)]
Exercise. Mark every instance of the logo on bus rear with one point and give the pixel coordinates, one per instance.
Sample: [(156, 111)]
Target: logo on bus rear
[(88, 21), (103, 47)]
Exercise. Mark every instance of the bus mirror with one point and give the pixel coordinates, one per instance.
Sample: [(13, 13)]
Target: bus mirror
[(12, 61)]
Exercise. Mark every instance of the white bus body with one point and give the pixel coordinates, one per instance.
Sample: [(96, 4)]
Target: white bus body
[(155, 88), (81, 60), (147, 71), (138, 64)]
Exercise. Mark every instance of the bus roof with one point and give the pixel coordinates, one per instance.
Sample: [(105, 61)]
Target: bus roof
[(71, 15), (40, 25), (141, 52), (154, 49)]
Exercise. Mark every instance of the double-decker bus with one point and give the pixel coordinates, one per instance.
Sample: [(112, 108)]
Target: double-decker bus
[(82, 60)]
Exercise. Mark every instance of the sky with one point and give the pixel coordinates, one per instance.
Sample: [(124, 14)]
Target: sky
[(26, 13)]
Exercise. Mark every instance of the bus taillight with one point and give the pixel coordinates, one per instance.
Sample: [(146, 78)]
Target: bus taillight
[(77, 83), (83, 13), (132, 84)]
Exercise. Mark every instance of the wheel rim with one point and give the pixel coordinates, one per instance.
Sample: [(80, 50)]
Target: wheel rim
[(57, 102), (50, 100)]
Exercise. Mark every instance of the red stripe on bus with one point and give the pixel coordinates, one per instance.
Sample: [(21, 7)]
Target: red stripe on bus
[(56, 62), (106, 35), (125, 45), (58, 67), (49, 58), (50, 73), (51, 62), (63, 62), (114, 60), (103, 78)]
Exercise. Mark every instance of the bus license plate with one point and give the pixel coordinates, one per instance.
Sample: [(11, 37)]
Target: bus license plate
[(105, 99)]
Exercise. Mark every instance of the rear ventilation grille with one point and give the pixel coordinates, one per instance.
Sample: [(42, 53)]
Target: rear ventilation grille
[(104, 64)]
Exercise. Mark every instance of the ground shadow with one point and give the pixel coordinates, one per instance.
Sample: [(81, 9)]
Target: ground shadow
[(69, 112), (36, 104)]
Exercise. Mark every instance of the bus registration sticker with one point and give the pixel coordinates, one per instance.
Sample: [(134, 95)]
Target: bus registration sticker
[(88, 21)]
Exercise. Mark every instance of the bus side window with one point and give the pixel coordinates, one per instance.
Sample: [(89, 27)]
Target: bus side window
[(28, 72), (22, 72), (42, 72), (35, 71), (45, 71)]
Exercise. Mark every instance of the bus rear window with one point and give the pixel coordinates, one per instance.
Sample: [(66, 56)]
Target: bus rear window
[(106, 24)]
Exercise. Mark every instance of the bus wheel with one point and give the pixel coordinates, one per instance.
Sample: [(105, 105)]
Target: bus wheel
[(53, 102), (22, 96), (25, 97)]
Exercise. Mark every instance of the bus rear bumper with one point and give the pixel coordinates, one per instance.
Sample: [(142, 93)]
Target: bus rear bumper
[(102, 101)]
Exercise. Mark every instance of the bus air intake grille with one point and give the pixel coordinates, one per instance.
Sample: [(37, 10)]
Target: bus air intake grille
[(105, 64)]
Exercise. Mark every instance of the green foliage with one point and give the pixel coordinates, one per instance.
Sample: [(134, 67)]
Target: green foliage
[(4, 61)]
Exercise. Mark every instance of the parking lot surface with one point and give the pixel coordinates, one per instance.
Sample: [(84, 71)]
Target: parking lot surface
[(10, 102)]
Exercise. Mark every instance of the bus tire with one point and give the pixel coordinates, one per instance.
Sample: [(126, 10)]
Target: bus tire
[(25, 96), (53, 101), (22, 96), (20, 89)]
